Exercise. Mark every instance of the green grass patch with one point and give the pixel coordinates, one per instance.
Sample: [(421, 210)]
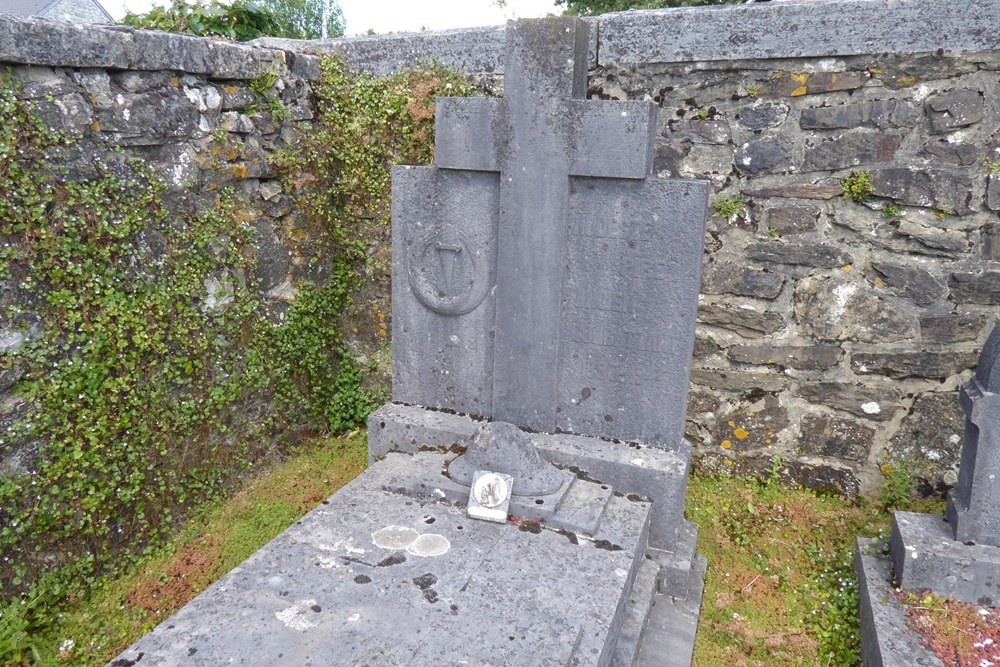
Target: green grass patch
[(94, 629), (780, 588)]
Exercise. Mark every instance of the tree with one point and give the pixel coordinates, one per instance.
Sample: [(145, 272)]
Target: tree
[(594, 7), (307, 19), (243, 20)]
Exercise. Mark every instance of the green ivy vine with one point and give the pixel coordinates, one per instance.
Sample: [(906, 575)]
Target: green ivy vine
[(147, 343)]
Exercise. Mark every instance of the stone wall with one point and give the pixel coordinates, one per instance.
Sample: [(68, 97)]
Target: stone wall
[(832, 333), (186, 106)]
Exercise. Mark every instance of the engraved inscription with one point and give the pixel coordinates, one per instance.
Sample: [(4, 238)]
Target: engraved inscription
[(447, 274)]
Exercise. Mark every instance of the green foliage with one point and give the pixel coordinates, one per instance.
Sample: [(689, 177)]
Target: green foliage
[(728, 207), (891, 209), (896, 491), (306, 19), (754, 89), (239, 20), (858, 187), (153, 336), (595, 7)]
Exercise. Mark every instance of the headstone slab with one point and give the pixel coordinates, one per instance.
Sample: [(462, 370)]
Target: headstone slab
[(588, 325), (974, 503)]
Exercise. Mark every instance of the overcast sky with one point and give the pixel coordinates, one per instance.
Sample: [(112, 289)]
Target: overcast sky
[(403, 15)]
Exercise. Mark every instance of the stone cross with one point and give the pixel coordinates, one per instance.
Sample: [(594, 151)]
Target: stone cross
[(541, 278), (974, 503)]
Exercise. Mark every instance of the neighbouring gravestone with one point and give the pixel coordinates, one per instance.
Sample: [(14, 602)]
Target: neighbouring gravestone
[(542, 281), (958, 555)]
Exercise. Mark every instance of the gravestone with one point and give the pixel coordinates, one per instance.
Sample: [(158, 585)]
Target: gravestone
[(958, 555), (544, 298)]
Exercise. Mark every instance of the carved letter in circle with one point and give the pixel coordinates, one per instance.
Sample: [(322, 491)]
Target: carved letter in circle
[(446, 272)]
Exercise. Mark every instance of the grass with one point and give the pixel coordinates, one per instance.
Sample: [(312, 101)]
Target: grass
[(779, 589), (94, 630)]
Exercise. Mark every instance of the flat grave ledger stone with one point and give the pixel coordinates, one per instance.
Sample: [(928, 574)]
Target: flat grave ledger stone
[(957, 555), (544, 295)]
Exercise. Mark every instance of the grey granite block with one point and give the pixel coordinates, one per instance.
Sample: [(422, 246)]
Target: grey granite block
[(885, 639), (673, 622), (926, 557), (633, 628)]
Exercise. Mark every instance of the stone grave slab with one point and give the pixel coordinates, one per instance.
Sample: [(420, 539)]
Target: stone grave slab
[(381, 574), (544, 299), (956, 555)]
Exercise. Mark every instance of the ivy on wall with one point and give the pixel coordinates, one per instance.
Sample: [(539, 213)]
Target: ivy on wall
[(147, 337)]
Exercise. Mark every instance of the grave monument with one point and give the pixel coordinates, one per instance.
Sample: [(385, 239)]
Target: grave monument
[(957, 555), (524, 502)]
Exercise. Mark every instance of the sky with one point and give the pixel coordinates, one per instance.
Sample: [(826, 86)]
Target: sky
[(384, 16)]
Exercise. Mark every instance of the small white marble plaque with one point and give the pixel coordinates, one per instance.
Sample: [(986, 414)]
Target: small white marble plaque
[(489, 497)]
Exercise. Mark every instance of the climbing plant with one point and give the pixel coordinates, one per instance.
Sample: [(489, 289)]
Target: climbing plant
[(144, 337)]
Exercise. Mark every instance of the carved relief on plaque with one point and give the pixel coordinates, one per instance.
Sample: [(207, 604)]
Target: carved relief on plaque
[(447, 273)]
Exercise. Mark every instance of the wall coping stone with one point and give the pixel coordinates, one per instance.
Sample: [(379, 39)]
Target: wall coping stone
[(32, 41), (470, 50), (798, 29), (788, 29)]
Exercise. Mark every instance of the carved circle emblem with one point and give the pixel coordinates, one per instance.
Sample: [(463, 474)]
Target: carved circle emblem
[(490, 490), (446, 273)]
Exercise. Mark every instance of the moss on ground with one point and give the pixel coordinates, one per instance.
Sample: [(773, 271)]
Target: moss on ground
[(93, 630)]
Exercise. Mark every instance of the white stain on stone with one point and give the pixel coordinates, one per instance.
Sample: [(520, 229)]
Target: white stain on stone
[(394, 537), (347, 545), (871, 408), (297, 616), (327, 563), (954, 438), (638, 462), (921, 93), (429, 545), (354, 617), (843, 293), (933, 455)]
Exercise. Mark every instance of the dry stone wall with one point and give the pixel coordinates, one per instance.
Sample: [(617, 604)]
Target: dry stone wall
[(832, 333)]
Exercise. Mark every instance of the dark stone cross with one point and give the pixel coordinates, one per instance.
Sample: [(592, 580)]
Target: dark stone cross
[(974, 503), (542, 132), (557, 283)]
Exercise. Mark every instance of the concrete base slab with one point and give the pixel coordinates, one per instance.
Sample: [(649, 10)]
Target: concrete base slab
[(654, 473), (927, 557), (381, 575), (885, 639)]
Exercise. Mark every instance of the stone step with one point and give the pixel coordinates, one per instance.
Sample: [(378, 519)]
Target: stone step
[(675, 563), (624, 528), (621, 521), (582, 507), (669, 637), (640, 602)]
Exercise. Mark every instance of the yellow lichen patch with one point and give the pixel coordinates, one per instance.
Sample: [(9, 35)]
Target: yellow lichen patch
[(726, 444), (731, 423), (874, 71), (906, 80), (175, 82), (777, 75), (847, 268), (95, 126), (799, 92), (885, 468), (767, 441), (800, 78), (231, 90), (741, 434)]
